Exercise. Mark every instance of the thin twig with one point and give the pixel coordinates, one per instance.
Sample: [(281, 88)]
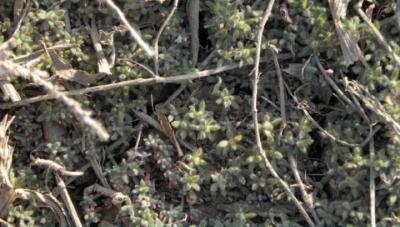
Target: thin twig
[(47, 200), (5, 223), (135, 82), (283, 184), (117, 198), (176, 93), (270, 102), (192, 11), (307, 198), (74, 106), (372, 182), (376, 32), (102, 63), (156, 40), (56, 167), (10, 43), (67, 201), (332, 83), (34, 55), (131, 30)]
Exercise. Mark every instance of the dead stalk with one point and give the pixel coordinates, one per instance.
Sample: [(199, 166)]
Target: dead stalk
[(376, 32), (67, 201), (156, 40), (136, 82), (372, 182), (283, 184), (135, 35), (307, 198), (56, 167), (74, 106), (46, 200)]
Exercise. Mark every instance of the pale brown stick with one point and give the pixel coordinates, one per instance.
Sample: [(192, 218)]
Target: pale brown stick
[(47, 200), (192, 11), (376, 32), (74, 106), (102, 62), (163, 26), (283, 184), (131, 30), (307, 198), (5, 223), (372, 189), (10, 43), (136, 82), (56, 167), (67, 201)]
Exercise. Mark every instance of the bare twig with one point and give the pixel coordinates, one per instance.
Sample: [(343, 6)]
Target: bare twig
[(283, 184), (141, 81), (10, 43), (351, 50), (176, 93), (373, 104), (55, 167), (34, 55), (67, 201), (163, 26), (131, 63), (74, 106), (307, 198), (192, 11), (131, 30), (372, 182), (376, 32), (5, 223), (152, 122), (117, 198), (47, 200), (6, 155), (397, 14), (270, 102), (9, 91), (102, 62), (333, 84)]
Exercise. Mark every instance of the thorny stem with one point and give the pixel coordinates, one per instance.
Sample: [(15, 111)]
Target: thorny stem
[(156, 40), (284, 185)]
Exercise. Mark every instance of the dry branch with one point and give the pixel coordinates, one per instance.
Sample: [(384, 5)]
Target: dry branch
[(282, 183), (131, 30), (192, 11), (136, 82), (307, 197), (163, 26), (67, 201), (376, 32), (6, 152), (102, 62), (83, 116), (46, 200), (56, 167), (351, 50)]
